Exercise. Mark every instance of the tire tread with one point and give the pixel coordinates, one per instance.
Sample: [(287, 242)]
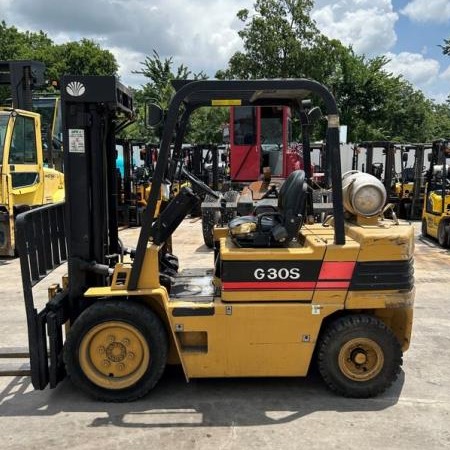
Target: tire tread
[(341, 326)]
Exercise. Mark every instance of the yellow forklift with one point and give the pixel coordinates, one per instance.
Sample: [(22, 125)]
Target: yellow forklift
[(26, 179), (436, 205), (277, 296)]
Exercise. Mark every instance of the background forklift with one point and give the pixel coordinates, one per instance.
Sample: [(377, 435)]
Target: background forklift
[(410, 186), (436, 205), (404, 182), (278, 294), (27, 179), (381, 165), (48, 106)]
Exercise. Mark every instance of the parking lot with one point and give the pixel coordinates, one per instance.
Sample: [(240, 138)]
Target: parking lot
[(273, 413)]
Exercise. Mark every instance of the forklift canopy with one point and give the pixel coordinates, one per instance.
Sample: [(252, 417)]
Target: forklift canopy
[(191, 95)]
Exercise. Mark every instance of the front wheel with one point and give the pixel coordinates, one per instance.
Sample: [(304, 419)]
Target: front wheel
[(443, 234), (424, 228), (116, 350), (359, 356)]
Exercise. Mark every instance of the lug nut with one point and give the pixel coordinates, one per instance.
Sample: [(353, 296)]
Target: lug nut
[(126, 342), (121, 366), (106, 363), (111, 338), (101, 350), (130, 355)]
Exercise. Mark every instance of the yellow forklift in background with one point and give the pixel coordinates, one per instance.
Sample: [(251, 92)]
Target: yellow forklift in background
[(436, 205), (48, 106), (277, 295), (26, 179)]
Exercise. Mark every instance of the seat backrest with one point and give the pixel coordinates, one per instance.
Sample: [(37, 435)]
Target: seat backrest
[(291, 201), (408, 175), (291, 195), (276, 228)]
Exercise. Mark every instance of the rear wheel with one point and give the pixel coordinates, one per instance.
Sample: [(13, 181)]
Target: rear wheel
[(116, 350), (359, 356), (442, 234)]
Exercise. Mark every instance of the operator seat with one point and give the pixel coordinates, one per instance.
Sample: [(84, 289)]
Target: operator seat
[(274, 229)]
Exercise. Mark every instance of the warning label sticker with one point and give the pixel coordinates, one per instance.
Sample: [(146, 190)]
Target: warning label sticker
[(76, 141)]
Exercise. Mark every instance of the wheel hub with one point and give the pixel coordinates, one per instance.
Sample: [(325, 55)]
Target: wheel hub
[(116, 352), (361, 359), (114, 355)]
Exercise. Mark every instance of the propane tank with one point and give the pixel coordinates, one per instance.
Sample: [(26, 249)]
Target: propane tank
[(363, 194)]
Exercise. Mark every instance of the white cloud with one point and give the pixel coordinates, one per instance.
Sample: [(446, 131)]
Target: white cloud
[(202, 35), (414, 67), (428, 10), (424, 73), (367, 25), (128, 61), (445, 75)]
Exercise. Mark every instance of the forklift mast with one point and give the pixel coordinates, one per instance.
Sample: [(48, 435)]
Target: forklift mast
[(418, 184), (83, 230), (388, 168), (439, 155), (23, 77), (90, 107)]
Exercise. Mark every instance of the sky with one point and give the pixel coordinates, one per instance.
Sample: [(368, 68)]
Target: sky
[(202, 34)]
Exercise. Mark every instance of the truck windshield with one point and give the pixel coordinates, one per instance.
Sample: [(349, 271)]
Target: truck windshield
[(46, 107), (271, 128), (4, 119)]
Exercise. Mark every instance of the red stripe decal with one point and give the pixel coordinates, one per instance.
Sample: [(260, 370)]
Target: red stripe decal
[(333, 284), (268, 285), (337, 270)]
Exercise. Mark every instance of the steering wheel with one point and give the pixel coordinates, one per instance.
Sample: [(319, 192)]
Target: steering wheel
[(199, 184)]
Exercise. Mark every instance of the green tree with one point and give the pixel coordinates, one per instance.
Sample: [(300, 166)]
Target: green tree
[(84, 57), (204, 124), (22, 45), (76, 58), (281, 40), (446, 47), (161, 73), (207, 124), (441, 120), (278, 41)]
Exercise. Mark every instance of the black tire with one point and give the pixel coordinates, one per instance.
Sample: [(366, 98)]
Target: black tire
[(230, 214), (359, 356), (210, 218), (442, 234), (424, 228), (119, 337)]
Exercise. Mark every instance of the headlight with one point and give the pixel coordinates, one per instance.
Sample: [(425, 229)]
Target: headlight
[(363, 194)]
